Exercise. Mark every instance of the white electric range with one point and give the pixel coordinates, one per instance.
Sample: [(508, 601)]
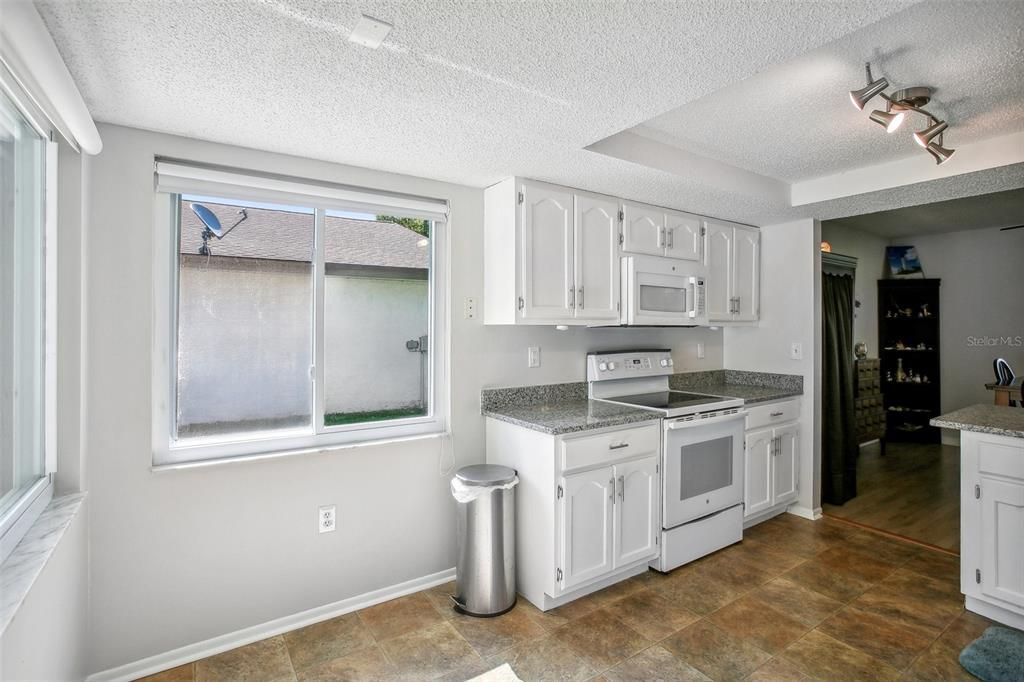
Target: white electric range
[(701, 451)]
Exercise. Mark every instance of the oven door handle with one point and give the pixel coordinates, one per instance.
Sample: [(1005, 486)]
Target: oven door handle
[(680, 424)]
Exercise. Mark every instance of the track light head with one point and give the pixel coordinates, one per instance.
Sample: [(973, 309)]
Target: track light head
[(861, 97), (940, 153), (924, 137), (887, 120)]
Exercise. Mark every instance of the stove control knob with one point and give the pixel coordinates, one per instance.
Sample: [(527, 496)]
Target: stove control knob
[(670, 363), (664, 363), (611, 366), (603, 366)]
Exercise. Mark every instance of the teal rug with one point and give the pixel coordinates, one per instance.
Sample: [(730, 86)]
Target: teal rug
[(996, 656)]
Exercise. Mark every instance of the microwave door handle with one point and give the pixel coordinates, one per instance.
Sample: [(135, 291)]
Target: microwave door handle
[(691, 298)]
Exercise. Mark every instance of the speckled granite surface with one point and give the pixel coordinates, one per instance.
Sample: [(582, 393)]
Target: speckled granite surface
[(753, 387), (550, 394), (569, 416), (984, 418)]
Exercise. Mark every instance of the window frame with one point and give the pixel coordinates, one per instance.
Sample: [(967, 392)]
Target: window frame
[(169, 454), (16, 520)]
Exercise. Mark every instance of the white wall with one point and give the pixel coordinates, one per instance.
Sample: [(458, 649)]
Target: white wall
[(170, 562), (869, 250), (980, 297), (366, 324), (790, 291), (48, 637)]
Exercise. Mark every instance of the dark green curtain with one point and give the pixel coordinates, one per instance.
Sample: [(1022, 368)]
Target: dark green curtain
[(839, 446)]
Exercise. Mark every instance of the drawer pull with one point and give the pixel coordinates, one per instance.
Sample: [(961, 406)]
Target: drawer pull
[(618, 446), (777, 414)]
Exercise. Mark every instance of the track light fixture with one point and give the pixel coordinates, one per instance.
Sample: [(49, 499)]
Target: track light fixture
[(897, 106)]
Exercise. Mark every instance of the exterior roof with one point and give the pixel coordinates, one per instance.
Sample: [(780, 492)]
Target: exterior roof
[(288, 236)]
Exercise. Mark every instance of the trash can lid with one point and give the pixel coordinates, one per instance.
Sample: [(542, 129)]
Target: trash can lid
[(485, 474)]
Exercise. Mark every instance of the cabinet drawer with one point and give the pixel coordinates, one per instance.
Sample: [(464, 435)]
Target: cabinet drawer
[(773, 413), (587, 451)]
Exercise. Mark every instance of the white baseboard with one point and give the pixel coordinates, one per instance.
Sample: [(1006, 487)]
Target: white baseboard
[(805, 512), (232, 640)]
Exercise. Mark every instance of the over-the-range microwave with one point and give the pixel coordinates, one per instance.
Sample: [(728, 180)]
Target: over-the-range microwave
[(662, 292)]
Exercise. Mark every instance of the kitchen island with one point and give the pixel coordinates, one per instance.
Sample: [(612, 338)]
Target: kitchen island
[(991, 509)]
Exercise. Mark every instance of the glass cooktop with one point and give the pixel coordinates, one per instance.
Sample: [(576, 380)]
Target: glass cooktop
[(670, 400)]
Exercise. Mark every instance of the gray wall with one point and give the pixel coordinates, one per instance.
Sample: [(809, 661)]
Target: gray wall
[(170, 562), (980, 296), (869, 250)]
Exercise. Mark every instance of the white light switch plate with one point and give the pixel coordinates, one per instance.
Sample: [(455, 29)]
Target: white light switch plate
[(533, 356), (796, 351)]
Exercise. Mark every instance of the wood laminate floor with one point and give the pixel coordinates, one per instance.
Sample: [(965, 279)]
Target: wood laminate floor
[(796, 600), (914, 491)]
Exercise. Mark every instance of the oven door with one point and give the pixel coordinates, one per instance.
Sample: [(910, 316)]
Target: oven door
[(703, 467), (659, 293)]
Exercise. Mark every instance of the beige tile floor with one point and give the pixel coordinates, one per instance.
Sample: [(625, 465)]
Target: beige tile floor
[(796, 600)]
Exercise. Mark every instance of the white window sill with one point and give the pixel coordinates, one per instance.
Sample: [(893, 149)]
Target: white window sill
[(317, 450), (21, 569)]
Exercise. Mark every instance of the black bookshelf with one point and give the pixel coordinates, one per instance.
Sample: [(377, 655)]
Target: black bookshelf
[(908, 342)]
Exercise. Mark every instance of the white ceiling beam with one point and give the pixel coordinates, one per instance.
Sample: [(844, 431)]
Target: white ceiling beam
[(994, 152)]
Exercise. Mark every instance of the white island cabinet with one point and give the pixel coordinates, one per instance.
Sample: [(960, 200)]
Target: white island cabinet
[(587, 506), (991, 509)]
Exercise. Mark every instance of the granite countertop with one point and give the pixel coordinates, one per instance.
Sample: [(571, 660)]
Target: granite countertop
[(570, 417), (984, 418), (750, 394)]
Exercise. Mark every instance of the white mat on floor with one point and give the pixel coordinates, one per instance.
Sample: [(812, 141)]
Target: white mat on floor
[(503, 673)]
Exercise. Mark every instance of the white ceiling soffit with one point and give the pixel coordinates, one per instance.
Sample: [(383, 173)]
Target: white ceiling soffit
[(1000, 209), (469, 92), (794, 122)]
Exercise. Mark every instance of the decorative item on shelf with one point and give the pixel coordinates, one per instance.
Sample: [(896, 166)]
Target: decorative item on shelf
[(903, 261), (921, 346), (899, 345), (888, 376), (900, 374), (924, 310), (860, 350), (826, 247), (897, 106)]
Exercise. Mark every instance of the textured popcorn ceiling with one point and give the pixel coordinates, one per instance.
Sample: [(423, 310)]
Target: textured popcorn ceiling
[(972, 53), (1000, 209), (472, 92)]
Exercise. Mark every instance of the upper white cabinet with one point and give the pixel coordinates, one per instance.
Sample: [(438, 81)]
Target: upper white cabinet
[(732, 254), (660, 232), (551, 255)]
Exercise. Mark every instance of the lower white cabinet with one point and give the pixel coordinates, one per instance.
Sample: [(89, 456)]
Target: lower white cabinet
[(587, 507), (992, 526), (772, 460)]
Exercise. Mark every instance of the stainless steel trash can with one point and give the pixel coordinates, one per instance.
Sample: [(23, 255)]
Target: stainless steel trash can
[(485, 568)]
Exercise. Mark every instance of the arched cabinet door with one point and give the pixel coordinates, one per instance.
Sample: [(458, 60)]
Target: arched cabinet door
[(587, 503), (547, 290), (643, 229), (597, 257), (757, 480), (683, 239), (718, 257), (636, 517)]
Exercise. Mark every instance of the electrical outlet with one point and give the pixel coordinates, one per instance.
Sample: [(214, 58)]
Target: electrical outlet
[(796, 351), (533, 356), (700, 351), (469, 308), (326, 519)]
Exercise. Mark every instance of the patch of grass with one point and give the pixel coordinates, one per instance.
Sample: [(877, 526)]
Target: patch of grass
[(342, 418)]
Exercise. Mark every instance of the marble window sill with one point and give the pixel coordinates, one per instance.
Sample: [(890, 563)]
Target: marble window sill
[(22, 567)]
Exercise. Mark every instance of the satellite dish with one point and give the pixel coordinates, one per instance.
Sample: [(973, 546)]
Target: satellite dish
[(209, 219), (213, 226)]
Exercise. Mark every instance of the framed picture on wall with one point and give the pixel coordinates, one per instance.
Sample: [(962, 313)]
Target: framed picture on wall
[(903, 261)]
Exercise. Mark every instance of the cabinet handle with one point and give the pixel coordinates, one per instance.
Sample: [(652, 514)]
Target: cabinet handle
[(572, 297), (521, 302), (622, 489), (618, 446), (611, 489), (672, 238), (777, 414), (579, 293)]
